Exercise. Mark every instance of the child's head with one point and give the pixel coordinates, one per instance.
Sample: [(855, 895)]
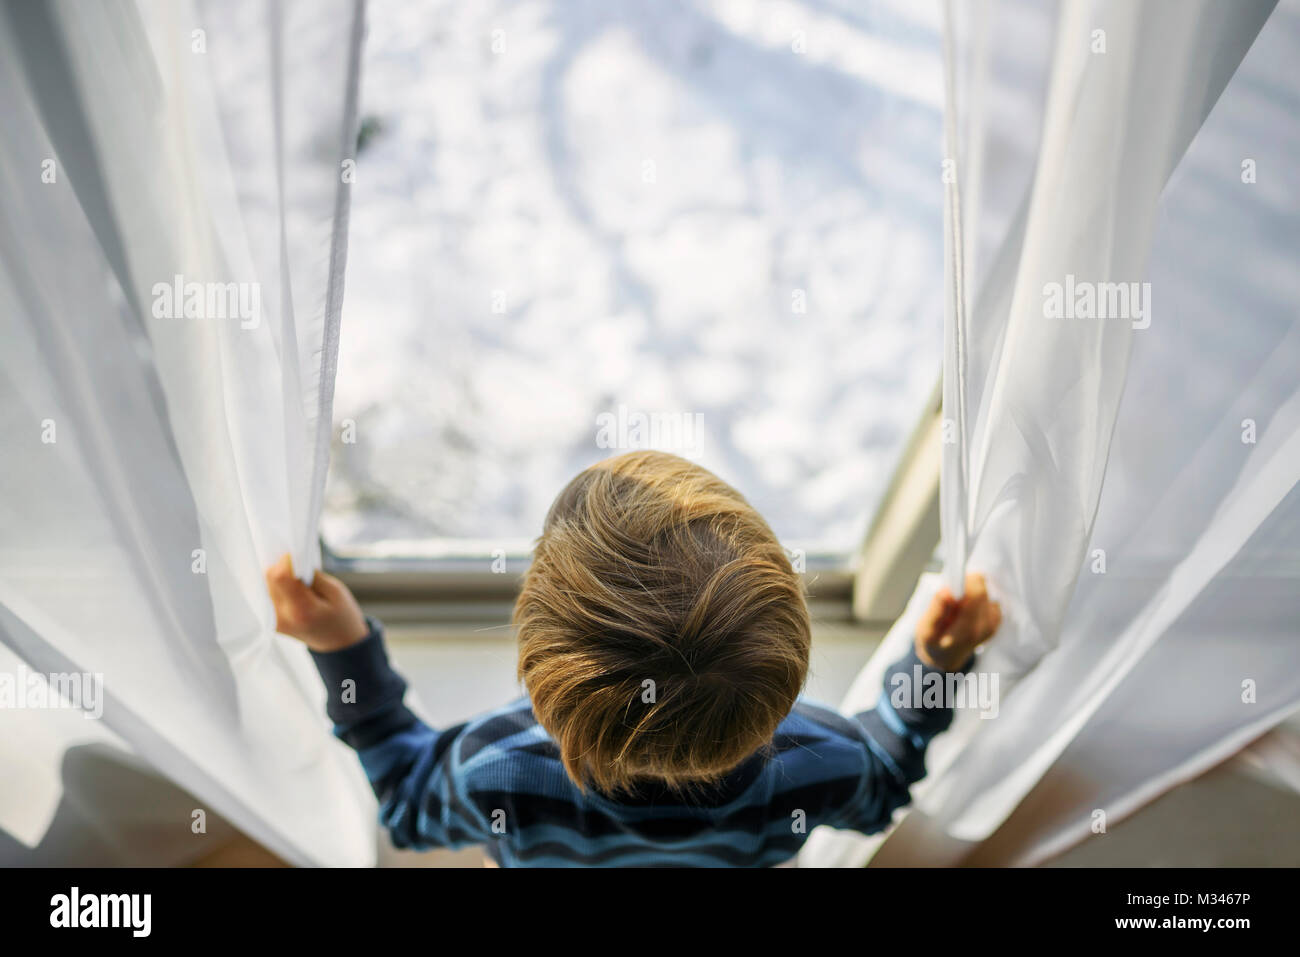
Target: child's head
[(663, 634)]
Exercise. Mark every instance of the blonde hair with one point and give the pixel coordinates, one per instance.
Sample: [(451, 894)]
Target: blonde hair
[(663, 634)]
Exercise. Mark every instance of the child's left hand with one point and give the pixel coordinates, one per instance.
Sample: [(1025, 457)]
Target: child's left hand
[(324, 617)]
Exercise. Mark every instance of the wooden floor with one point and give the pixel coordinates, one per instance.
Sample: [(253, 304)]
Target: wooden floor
[(240, 852), (245, 852)]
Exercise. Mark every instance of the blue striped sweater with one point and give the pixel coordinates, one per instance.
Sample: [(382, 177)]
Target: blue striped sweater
[(498, 781)]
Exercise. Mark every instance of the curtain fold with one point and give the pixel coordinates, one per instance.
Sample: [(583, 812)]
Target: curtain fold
[(171, 268), (1125, 477)]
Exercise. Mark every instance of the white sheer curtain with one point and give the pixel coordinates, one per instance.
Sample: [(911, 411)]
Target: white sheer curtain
[(1126, 483), (161, 453)]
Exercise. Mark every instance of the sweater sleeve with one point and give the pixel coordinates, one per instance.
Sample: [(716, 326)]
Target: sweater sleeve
[(912, 709), (410, 766)]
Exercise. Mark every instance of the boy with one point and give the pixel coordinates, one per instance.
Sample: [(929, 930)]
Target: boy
[(663, 642)]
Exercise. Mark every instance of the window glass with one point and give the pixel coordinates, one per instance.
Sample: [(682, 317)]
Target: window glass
[(579, 228)]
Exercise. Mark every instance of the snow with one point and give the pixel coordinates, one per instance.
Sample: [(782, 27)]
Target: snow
[(714, 208)]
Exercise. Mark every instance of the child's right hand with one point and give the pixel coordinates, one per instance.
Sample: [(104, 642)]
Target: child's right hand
[(952, 628)]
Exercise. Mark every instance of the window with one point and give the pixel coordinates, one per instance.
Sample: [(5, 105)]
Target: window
[(582, 227)]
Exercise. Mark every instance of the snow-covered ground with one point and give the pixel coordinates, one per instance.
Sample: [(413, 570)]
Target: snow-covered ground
[(713, 213)]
